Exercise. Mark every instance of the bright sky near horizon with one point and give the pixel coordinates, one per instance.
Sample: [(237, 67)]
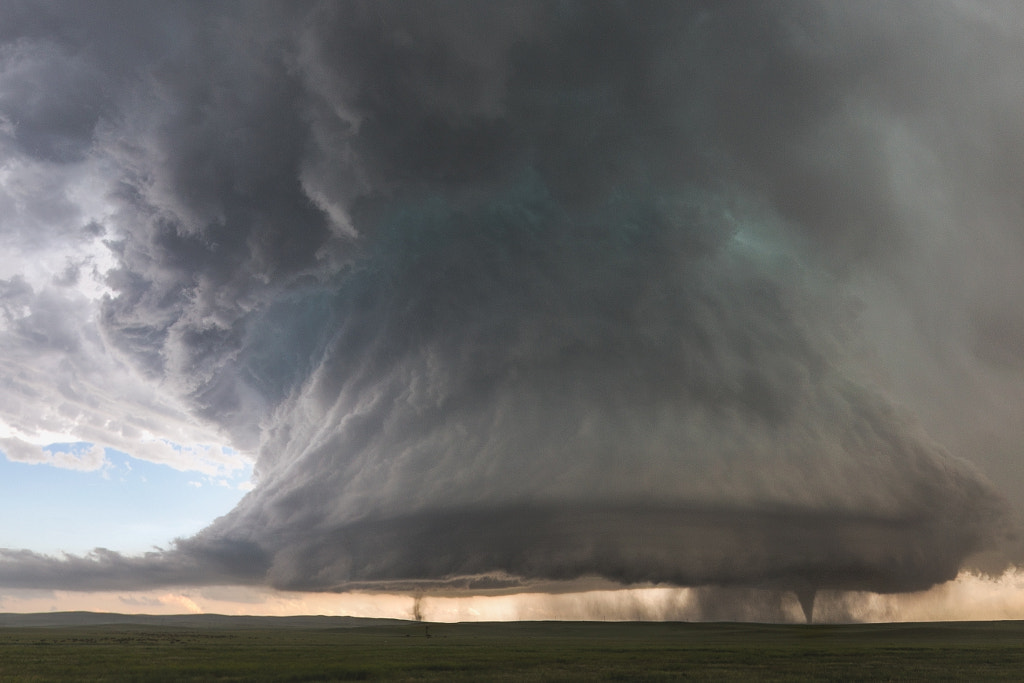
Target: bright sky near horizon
[(315, 306)]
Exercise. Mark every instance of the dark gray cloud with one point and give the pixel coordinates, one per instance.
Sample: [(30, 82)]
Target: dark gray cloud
[(514, 293)]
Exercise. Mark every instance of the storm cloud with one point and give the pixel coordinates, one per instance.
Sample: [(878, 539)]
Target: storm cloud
[(499, 294)]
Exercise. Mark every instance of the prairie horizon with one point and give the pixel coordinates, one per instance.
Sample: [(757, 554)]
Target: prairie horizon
[(215, 647), (970, 597)]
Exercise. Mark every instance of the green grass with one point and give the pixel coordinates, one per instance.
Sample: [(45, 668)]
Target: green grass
[(551, 651)]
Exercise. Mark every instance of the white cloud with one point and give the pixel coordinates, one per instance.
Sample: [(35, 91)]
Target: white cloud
[(87, 459), (62, 383)]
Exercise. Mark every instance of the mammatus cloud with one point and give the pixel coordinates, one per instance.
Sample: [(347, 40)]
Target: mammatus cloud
[(504, 295)]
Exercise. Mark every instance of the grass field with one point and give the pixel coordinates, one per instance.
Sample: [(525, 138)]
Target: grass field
[(537, 651)]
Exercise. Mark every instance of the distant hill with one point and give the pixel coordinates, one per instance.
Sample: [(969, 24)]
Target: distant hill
[(65, 619)]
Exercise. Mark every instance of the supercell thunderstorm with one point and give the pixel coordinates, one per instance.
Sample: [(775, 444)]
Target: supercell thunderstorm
[(508, 294)]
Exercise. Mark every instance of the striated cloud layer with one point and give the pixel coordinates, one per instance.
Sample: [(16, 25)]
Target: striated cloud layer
[(505, 294)]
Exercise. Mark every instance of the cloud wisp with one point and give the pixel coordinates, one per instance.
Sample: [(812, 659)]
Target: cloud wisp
[(505, 295)]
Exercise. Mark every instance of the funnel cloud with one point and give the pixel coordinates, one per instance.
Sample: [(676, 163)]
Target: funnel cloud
[(500, 295)]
